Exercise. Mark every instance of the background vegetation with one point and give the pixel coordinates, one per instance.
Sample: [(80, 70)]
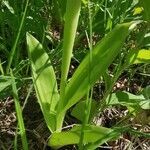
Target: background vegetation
[(74, 74)]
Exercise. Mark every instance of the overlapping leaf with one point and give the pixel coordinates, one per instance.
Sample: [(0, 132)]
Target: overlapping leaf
[(102, 56)]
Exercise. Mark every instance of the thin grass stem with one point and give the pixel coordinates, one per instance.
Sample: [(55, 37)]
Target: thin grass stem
[(12, 53), (19, 114), (90, 90)]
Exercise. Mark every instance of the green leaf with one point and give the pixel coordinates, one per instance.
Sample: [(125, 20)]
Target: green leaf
[(78, 110), (91, 134), (138, 56), (129, 100), (102, 56), (44, 80), (71, 22)]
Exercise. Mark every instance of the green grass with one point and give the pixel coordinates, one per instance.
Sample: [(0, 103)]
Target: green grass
[(12, 53), (18, 108)]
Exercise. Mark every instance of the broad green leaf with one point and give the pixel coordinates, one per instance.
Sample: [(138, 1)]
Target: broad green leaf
[(102, 56), (91, 134), (138, 56), (78, 110), (129, 100), (44, 80)]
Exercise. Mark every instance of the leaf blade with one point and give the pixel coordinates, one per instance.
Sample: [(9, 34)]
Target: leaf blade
[(103, 51), (129, 100), (91, 134), (44, 80), (138, 56)]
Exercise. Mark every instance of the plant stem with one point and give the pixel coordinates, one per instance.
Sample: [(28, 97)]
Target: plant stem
[(71, 22)]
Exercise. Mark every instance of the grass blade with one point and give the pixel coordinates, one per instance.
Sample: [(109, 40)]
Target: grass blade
[(12, 53), (19, 114)]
